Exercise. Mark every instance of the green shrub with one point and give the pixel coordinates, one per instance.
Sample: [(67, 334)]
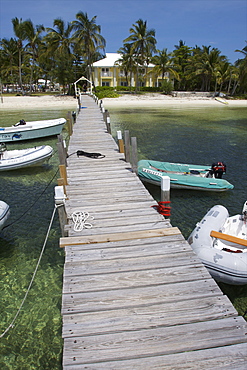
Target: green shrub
[(106, 93), (166, 87)]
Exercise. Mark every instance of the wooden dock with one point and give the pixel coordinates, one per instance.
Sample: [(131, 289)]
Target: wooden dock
[(135, 296)]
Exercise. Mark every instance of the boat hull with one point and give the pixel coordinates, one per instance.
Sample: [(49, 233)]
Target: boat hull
[(223, 265), (25, 157), (181, 176), (4, 213), (32, 130)]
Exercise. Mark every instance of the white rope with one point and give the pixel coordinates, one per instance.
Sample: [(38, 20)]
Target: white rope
[(11, 325), (79, 219)]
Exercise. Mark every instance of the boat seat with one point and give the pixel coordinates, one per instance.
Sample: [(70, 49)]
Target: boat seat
[(229, 238)]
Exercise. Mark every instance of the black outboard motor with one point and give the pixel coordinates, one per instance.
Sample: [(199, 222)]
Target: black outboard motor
[(218, 169), (21, 122), (3, 148)]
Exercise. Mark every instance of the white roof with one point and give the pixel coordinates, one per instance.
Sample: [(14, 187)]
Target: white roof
[(108, 61)]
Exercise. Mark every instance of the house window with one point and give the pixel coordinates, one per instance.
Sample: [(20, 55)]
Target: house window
[(105, 83), (105, 72), (123, 83)]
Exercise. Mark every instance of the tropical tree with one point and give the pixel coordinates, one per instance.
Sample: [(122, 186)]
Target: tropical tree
[(143, 43), (163, 64), (207, 63), (18, 30), (242, 66), (9, 59), (181, 61), (60, 50), (88, 40), (33, 37), (127, 62), (222, 74)]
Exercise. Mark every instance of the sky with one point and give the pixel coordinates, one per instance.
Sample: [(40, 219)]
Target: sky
[(217, 23)]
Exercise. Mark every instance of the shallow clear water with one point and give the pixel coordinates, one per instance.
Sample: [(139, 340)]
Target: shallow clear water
[(35, 342), (180, 135), (195, 135)]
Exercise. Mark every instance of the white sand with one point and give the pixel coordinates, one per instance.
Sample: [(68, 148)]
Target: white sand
[(158, 100), (38, 102), (127, 100)]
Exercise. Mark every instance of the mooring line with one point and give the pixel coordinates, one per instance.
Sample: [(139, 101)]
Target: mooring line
[(11, 325)]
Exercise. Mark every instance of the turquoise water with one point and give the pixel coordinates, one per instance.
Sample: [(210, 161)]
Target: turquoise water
[(194, 135), (179, 135), (35, 342)]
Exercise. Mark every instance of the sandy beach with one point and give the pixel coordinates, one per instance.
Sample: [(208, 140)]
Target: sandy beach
[(38, 102), (158, 100), (127, 100)]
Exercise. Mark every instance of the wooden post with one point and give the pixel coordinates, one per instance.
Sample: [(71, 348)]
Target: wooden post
[(69, 122), (100, 104), (63, 174), (165, 188), (79, 103), (60, 182), (120, 142), (165, 195), (59, 201), (74, 117), (108, 122), (62, 151), (127, 145), (134, 157)]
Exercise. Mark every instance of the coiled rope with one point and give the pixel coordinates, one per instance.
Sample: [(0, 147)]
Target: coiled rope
[(11, 325), (79, 219)]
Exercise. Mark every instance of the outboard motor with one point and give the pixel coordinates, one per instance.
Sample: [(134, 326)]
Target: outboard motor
[(218, 169), (3, 148), (244, 212), (21, 122)]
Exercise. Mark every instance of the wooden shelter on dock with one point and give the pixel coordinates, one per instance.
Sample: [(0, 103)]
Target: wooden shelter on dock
[(135, 296)]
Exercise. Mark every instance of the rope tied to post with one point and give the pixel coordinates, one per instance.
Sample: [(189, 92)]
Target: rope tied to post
[(12, 324), (163, 208)]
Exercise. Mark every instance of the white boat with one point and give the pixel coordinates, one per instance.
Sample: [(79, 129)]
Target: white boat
[(31, 130), (16, 159), (220, 241), (4, 213)]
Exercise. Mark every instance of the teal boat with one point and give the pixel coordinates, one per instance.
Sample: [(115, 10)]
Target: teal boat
[(184, 176)]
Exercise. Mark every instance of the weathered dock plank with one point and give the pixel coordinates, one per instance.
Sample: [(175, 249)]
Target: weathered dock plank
[(227, 358), (154, 342), (135, 295), (148, 316)]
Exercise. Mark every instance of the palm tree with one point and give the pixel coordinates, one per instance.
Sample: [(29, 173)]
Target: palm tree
[(60, 50), (32, 35), (87, 36), (181, 60), (143, 43), (242, 65), (223, 74), (18, 30), (207, 64), (127, 62), (9, 59), (163, 64)]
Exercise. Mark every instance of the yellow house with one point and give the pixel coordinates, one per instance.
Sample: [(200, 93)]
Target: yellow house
[(107, 73)]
